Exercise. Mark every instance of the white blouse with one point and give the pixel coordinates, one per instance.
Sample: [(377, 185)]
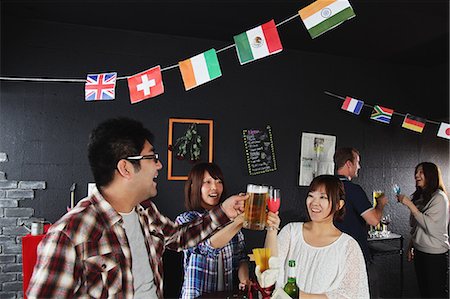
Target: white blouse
[(337, 270)]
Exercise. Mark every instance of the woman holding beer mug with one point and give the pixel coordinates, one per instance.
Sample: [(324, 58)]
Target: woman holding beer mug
[(330, 263), (429, 235), (220, 262)]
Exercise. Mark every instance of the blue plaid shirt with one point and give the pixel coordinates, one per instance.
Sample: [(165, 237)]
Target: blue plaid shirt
[(201, 262)]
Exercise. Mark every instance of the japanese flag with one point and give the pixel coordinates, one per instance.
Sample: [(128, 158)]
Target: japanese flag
[(145, 85), (444, 131)]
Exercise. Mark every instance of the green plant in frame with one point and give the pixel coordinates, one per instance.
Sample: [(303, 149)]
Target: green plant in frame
[(190, 143)]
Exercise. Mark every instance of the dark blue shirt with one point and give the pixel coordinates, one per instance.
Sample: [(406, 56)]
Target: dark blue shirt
[(356, 204)]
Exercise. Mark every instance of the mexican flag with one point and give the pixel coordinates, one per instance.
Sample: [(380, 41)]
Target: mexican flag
[(323, 15), (200, 69), (258, 42)]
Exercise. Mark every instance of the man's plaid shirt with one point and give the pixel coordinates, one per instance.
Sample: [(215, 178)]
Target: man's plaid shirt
[(86, 253)]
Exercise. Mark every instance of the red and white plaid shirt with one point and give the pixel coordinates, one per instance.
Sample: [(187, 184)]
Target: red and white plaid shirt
[(86, 253)]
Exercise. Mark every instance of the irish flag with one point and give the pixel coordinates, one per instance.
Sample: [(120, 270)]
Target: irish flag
[(200, 69), (323, 15), (258, 42)]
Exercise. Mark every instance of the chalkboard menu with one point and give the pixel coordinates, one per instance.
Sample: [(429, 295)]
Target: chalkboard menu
[(259, 150)]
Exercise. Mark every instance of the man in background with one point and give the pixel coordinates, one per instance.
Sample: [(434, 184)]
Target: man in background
[(109, 245), (359, 210)]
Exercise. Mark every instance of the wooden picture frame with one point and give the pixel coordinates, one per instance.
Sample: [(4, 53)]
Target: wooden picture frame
[(178, 170)]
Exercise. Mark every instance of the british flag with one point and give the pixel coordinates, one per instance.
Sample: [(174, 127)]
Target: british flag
[(100, 87)]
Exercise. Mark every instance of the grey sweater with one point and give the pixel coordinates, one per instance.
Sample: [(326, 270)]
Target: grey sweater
[(430, 226)]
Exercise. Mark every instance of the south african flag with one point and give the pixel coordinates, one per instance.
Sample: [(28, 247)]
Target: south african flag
[(381, 114)]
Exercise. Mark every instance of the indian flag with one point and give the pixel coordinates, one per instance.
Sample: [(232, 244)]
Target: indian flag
[(258, 42), (323, 15), (200, 69)]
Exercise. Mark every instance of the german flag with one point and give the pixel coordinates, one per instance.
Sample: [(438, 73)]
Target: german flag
[(414, 123)]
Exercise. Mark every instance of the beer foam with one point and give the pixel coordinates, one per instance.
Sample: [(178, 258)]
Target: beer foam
[(257, 189)]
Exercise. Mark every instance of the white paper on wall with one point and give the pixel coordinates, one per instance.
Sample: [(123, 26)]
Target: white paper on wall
[(316, 156)]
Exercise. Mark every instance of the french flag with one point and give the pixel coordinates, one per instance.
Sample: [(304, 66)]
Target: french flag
[(352, 105)]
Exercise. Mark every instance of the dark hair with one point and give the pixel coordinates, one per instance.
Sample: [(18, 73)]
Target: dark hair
[(433, 182), (335, 192), (344, 154), (193, 185), (111, 141)]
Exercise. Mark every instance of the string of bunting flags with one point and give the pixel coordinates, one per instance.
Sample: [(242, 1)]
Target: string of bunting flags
[(261, 41), (384, 115)]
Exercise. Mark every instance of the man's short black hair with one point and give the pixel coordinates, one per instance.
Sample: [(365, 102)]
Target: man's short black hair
[(111, 141)]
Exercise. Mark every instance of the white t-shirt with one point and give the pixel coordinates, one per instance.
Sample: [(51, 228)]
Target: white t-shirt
[(144, 286), (337, 270)]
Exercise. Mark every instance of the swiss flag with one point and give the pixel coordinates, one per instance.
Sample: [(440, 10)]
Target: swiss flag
[(145, 85)]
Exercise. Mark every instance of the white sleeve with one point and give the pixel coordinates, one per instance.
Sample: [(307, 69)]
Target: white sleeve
[(354, 282), (284, 242)]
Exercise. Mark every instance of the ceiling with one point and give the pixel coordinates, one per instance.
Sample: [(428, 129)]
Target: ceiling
[(414, 32)]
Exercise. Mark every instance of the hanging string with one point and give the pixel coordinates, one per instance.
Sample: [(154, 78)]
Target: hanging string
[(287, 20), (43, 79), (167, 68), (395, 113)]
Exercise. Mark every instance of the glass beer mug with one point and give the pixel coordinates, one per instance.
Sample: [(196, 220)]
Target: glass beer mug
[(255, 207)]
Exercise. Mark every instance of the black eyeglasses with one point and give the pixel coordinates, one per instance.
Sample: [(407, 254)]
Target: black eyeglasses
[(154, 157)]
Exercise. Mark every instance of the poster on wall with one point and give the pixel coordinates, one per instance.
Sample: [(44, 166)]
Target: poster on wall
[(259, 150), (316, 156)]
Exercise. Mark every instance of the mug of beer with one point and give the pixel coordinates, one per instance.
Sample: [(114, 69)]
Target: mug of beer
[(375, 195), (255, 207)]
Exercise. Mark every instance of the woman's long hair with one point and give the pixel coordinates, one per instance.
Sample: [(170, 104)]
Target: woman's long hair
[(433, 182)]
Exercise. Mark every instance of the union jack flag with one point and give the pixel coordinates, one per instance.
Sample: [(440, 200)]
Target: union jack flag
[(100, 86)]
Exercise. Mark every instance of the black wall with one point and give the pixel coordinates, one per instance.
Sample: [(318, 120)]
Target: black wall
[(44, 127)]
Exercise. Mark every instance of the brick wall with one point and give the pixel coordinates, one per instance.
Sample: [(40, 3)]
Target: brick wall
[(12, 215)]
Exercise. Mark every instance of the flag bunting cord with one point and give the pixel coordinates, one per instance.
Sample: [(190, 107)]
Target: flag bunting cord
[(395, 113), (167, 68)]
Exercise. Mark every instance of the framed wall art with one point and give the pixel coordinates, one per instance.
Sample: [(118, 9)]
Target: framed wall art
[(189, 141)]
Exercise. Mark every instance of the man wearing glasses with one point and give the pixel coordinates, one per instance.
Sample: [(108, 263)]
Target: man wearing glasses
[(109, 245)]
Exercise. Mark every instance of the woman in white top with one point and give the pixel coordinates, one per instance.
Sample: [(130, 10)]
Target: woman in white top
[(429, 234), (330, 263)]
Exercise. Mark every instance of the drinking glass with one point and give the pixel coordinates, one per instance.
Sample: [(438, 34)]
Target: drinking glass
[(385, 220), (396, 189), (255, 207), (273, 204), (375, 195)]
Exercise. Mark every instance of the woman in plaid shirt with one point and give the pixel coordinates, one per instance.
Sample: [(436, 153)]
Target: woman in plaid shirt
[(220, 262)]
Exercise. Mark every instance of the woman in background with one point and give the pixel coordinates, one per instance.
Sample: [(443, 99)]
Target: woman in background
[(220, 262), (330, 263), (429, 220)]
